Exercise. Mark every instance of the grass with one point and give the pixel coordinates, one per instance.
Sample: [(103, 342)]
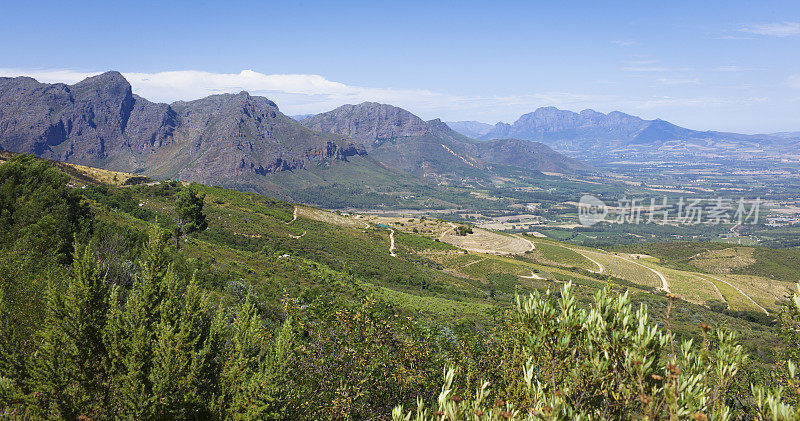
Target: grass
[(734, 298), (712, 257), (563, 256), (623, 269), (436, 307), (765, 291), (339, 255)]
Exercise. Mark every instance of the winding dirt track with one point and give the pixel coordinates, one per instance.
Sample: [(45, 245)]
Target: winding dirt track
[(391, 243), (452, 227), (533, 246), (472, 263), (294, 216), (740, 291), (600, 267), (664, 284)]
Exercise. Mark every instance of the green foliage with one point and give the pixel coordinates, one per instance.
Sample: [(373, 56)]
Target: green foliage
[(39, 218), (69, 369), (157, 351), (463, 230), (607, 362), (38, 212), (122, 199), (224, 330), (357, 361), (189, 209)]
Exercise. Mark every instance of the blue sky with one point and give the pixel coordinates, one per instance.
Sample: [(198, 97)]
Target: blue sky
[(721, 65)]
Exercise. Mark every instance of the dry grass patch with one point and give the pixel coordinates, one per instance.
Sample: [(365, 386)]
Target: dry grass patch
[(766, 292), (483, 241), (623, 269), (330, 217), (723, 261)]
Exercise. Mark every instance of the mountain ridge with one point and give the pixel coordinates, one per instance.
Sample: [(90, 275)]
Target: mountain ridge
[(100, 122), (429, 146), (243, 141), (551, 125)]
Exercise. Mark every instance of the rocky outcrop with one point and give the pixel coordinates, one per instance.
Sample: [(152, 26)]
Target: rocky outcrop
[(401, 140), (99, 122), (550, 123), (369, 123)]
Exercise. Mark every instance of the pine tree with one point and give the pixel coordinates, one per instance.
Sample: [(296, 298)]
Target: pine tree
[(189, 207), (253, 369), (180, 376), (70, 367), (131, 333)]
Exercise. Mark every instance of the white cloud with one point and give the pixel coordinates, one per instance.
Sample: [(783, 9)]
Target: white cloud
[(678, 81), (626, 43), (302, 94), (794, 81), (673, 102), (774, 29), (736, 69), (654, 69), (305, 94)]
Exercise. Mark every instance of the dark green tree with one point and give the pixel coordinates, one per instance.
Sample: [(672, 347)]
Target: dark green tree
[(40, 215), (189, 209), (69, 369)]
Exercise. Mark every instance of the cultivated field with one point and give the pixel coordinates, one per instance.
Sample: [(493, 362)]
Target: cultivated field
[(483, 241), (331, 217), (725, 260)]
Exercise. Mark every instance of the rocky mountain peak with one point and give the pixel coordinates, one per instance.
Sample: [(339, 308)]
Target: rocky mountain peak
[(369, 123)]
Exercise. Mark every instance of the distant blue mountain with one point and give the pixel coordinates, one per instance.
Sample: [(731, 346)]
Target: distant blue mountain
[(552, 125), (473, 129)]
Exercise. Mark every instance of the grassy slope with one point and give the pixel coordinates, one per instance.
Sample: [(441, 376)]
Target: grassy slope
[(778, 264), (248, 235)]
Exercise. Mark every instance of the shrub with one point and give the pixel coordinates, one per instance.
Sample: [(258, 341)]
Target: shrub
[(608, 362)]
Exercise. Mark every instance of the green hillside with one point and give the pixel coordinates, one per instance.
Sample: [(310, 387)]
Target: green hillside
[(317, 314)]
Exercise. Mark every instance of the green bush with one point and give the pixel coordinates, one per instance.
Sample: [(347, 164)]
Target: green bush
[(609, 362)]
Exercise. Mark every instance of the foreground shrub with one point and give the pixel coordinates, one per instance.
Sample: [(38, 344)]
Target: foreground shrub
[(608, 362)]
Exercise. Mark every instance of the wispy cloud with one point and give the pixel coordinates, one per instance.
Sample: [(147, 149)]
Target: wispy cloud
[(626, 43), (678, 81), (733, 37), (783, 29), (676, 102), (654, 69), (301, 94), (736, 69)]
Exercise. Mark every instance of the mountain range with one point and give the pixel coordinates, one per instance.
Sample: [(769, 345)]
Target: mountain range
[(404, 141), (242, 141), (567, 130), (473, 129)]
